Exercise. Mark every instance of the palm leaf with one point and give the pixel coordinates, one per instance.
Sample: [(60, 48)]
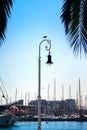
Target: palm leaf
[(75, 23), (5, 10)]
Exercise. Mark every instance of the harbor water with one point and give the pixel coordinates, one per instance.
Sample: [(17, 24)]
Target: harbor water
[(48, 126)]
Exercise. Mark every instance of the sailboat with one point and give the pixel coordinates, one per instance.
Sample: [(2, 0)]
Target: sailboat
[(6, 119)]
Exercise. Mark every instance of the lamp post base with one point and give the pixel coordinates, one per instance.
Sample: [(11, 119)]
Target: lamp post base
[(39, 128)]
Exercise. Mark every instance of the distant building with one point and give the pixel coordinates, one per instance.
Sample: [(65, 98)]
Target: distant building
[(57, 108)]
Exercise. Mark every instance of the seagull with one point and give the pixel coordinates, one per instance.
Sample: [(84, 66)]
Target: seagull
[(44, 36)]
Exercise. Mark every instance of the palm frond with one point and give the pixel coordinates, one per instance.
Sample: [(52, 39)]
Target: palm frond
[(66, 12), (76, 27), (5, 10)]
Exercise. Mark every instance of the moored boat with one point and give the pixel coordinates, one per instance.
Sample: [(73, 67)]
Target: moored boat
[(6, 120)]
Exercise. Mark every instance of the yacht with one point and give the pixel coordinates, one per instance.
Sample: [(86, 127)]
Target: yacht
[(6, 119)]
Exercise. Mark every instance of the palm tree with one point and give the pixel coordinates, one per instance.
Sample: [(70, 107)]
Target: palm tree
[(5, 10), (74, 17)]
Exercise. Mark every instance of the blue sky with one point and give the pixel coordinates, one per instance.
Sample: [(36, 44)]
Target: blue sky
[(29, 22)]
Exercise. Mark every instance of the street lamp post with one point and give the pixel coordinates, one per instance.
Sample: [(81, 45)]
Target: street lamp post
[(39, 75)]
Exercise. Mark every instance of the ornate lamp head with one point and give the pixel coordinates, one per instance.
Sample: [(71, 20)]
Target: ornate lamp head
[(49, 61)]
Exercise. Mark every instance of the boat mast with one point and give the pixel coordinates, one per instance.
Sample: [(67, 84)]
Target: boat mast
[(79, 98), (62, 93), (3, 95), (54, 95), (16, 95), (48, 92), (54, 90), (62, 100), (69, 100), (6, 97)]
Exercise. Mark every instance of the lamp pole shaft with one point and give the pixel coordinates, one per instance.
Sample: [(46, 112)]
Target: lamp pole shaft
[(39, 91), (39, 80)]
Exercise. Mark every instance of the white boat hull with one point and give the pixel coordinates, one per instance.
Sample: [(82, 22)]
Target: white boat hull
[(6, 120)]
